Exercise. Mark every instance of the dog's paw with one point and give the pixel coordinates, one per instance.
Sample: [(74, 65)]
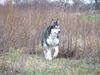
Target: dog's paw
[(49, 58), (55, 55)]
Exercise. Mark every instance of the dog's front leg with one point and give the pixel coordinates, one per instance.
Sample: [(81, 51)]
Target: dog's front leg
[(49, 54), (56, 52)]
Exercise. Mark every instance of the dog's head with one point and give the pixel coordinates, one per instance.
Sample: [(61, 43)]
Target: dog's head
[(55, 27)]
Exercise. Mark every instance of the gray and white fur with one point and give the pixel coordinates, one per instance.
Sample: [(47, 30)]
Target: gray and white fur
[(50, 40)]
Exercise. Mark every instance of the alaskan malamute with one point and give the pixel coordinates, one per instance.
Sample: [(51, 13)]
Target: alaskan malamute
[(50, 40)]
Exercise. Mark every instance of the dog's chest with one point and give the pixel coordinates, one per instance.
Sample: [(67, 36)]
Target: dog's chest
[(53, 41)]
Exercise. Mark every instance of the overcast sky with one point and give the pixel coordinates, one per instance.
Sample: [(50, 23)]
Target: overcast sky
[(2, 1)]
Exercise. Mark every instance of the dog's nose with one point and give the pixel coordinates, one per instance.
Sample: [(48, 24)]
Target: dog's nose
[(59, 32)]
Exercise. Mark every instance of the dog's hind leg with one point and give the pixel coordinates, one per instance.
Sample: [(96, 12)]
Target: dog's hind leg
[(45, 53), (56, 52)]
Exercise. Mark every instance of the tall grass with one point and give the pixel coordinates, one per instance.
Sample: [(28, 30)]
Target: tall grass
[(80, 32)]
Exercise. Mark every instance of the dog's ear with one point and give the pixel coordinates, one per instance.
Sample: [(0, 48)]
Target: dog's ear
[(52, 22), (57, 21)]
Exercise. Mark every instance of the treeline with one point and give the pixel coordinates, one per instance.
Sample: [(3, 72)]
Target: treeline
[(73, 4)]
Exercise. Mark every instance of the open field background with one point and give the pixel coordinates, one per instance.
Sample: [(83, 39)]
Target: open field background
[(20, 50)]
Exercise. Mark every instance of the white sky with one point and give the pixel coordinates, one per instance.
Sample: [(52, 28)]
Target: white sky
[(89, 1), (2, 2)]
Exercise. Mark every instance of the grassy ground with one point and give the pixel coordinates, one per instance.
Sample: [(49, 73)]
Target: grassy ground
[(16, 62), (93, 18)]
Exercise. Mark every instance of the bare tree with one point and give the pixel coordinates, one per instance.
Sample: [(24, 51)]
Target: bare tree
[(76, 4), (97, 4), (17, 1), (95, 1)]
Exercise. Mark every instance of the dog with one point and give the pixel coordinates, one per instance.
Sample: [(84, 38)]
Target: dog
[(50, 40)]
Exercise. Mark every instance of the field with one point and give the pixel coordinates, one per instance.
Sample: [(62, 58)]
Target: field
[(16, 62), (20, 50)]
